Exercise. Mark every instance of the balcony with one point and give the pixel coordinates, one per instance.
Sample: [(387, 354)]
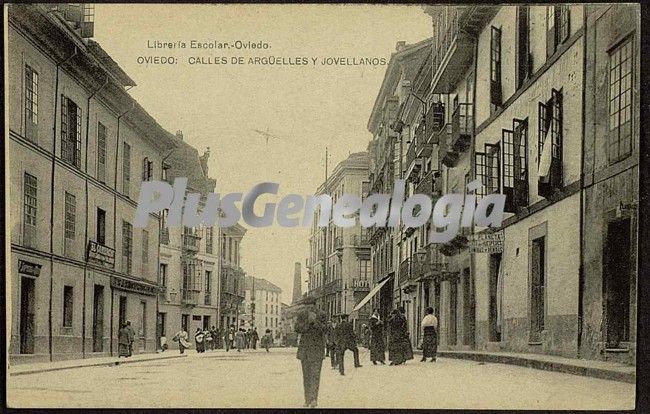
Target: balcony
[(446, 153), (191, 242), (190, 297), (332, 286), (207, 298), (454, 51), (361, 285), (435, 119), (433, 262), (430, 185), (413, 163), (338, 243), (454, 246), (462, 127), (405, 275), (423, 148), (361, 240)]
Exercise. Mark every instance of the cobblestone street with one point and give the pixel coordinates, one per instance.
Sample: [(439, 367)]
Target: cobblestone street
[(255, 379)]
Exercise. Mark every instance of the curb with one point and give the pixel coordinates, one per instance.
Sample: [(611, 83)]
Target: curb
[(97, 364), (601, 373)]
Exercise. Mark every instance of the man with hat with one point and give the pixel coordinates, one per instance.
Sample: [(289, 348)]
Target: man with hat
[(311, 324), (346, 340)]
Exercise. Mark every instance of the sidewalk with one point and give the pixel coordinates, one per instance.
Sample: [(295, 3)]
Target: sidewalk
[(23, 369), (589, 368)]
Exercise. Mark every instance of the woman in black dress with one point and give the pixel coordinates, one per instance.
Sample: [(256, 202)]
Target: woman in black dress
[(377, 343), (399, 344), (430, 337)]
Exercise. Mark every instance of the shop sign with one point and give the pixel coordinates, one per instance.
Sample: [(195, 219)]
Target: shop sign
[(486, 242), (100, 254), (29, 268), (134, 286)]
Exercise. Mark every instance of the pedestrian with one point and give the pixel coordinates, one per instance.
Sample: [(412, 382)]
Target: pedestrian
[(123, 341), (254, 338), (311, 325), (207, 337), (216, 336), (199, 339), (365, 334), (267, 340), (229, 337), (429, 336), (240, 339), (377, 343), (399, 344), (331, 347), (131, 337), (346, 340), (183, 340)]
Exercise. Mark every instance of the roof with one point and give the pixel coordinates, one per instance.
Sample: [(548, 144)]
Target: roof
[(184, 161), (413, 54), (356, 160), (261, 284)]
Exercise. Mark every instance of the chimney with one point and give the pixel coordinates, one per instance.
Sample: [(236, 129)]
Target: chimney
[(179, 134), (400, 45), (204, 161), (297, 284)]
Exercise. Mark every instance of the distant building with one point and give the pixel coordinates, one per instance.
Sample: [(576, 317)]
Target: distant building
[(262, 306), (339, 262), (231, 293)]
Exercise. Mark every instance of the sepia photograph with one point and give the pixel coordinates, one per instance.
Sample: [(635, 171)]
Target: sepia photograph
[(209, 205)]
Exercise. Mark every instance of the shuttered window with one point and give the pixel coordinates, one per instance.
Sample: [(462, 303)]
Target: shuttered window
[(620, 101), (31, 103), (30, 202), (101, 152), (70, 132)]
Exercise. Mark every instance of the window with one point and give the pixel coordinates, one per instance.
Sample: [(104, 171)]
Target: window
[(164, 231), (515, 165), (29, 210), (147, 169), (495, 68), (230, 250), (145, 252), (89, 13), (126, 169), (70, 216), (163, 274), (492, 170), (101, 152), (31, 103), (620, 101), (70, 132), (127, 247), (143, 319), (557, 27), (550, 138), (101, 226), (524, 61), (208, 287), (208, 240), (67, 306)]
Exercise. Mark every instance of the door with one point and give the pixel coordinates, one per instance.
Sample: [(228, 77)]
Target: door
[(122, 311), (453, 311), (469, 314), (617, 283), (98, 319), (27, 293), (493, 307), (143, 325), (537, 289)]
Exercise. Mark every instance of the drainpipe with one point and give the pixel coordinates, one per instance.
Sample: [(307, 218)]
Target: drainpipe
[(158, 332), (117, 157), (472, 171), (581, 270), (56, 111), (83, 314)]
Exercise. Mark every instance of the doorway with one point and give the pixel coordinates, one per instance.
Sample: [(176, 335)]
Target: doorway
[(469, 314), (122, 311), (494, 325), (98, 319), (27, 298), (538, 279), (617, 283), (453, 310)]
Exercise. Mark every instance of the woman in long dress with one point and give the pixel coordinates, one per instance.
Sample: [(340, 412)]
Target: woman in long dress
[(240, 339), (124, 341), (199, 337), (182, 338), (430, 336), (377, 343), (399, 344)]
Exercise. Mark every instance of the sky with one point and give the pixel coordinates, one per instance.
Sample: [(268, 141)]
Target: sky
[(307, 107)]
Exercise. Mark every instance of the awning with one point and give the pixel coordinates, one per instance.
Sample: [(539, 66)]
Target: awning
[(372, 293)]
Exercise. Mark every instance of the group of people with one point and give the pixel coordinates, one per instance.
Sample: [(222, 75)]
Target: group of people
[(207, 339), (320, 337)]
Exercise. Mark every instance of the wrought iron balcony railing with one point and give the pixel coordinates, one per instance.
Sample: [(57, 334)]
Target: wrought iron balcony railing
[(462, 127), (191, 242)]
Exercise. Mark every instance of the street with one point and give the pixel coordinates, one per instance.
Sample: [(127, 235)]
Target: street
[(256, 379)]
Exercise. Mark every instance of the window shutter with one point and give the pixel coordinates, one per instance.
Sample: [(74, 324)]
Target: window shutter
[(77, 149), (550, 30), (495, 66), (508, 170), (520, 146), (64, 127)]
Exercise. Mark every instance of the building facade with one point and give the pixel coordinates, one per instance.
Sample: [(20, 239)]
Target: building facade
[(190, 262), (231, 291), (262, 304), (79, 148), (516, 97), (339, 263), (394, 119)]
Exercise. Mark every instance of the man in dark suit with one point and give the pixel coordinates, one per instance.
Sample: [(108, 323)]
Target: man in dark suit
[(311, 324), (331, 343), (346, 340)]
